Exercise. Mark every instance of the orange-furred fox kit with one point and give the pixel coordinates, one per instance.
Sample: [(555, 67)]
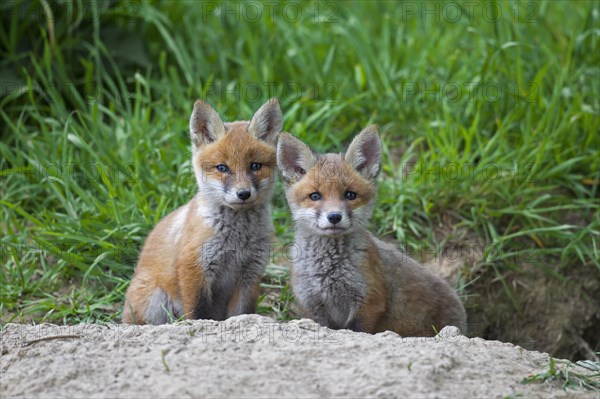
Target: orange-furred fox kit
[(205, 260), (342, 276)]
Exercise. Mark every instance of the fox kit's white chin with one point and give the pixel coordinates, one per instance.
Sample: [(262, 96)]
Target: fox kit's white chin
[(240, 205), (333, 231)]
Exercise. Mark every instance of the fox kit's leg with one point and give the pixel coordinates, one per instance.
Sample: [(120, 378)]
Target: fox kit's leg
[(213, 301), (245, 295), (200, 297), (370, 313), (309, 297), (206, 295), (319, 315), (373, 305), (315, 309), (191, 285), (244, 298), (203, 295)]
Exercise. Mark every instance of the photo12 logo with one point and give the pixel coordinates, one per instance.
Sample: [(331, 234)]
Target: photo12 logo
[(259, 11), (469, 11), (26, 335), (49, 12), (455, 172), (284, 91), (262, 332), (75, 171), (454, 92), (68, 92)]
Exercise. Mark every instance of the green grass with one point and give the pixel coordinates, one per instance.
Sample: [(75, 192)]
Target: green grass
[(565, 374), (490, 126)]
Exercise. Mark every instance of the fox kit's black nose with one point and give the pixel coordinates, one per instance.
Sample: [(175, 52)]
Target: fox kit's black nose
[(334, 217), (244, 194)]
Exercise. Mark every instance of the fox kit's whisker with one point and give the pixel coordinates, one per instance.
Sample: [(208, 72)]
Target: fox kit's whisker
[(205, 259), (342, 276)]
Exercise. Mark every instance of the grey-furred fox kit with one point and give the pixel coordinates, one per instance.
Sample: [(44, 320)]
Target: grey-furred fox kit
[(205, 260), (342, 275)]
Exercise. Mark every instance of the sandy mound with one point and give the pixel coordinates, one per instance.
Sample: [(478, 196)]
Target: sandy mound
[(254, 356)]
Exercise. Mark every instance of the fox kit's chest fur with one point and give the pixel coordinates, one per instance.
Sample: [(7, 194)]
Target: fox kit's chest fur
[(328, 277), (229, 255), (239, 246)]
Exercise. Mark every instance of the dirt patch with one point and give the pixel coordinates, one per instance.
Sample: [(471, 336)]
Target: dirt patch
[(254, 356), (561, 317), (530, 306)]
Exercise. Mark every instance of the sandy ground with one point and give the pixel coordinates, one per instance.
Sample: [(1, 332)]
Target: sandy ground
[(254, 356)]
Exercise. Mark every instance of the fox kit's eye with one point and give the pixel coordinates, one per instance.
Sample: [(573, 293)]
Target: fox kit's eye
[(315, 196), (255, 166), (350, 195), (222, 168)]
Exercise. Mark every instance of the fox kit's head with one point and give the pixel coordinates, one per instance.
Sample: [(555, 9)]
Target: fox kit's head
[(331, 194), (234, 162)]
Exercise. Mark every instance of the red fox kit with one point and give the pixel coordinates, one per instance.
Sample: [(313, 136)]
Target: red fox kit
[(205, 259), (342, 276)]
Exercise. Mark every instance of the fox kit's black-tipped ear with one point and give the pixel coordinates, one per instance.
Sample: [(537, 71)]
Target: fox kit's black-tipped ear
[(364, 153), (206, 125), (294, 158), (267, 122)]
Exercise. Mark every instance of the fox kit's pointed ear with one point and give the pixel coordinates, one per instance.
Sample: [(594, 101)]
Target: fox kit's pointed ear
[(294, 158), (364, 153), (206, 125), (267, 122)]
